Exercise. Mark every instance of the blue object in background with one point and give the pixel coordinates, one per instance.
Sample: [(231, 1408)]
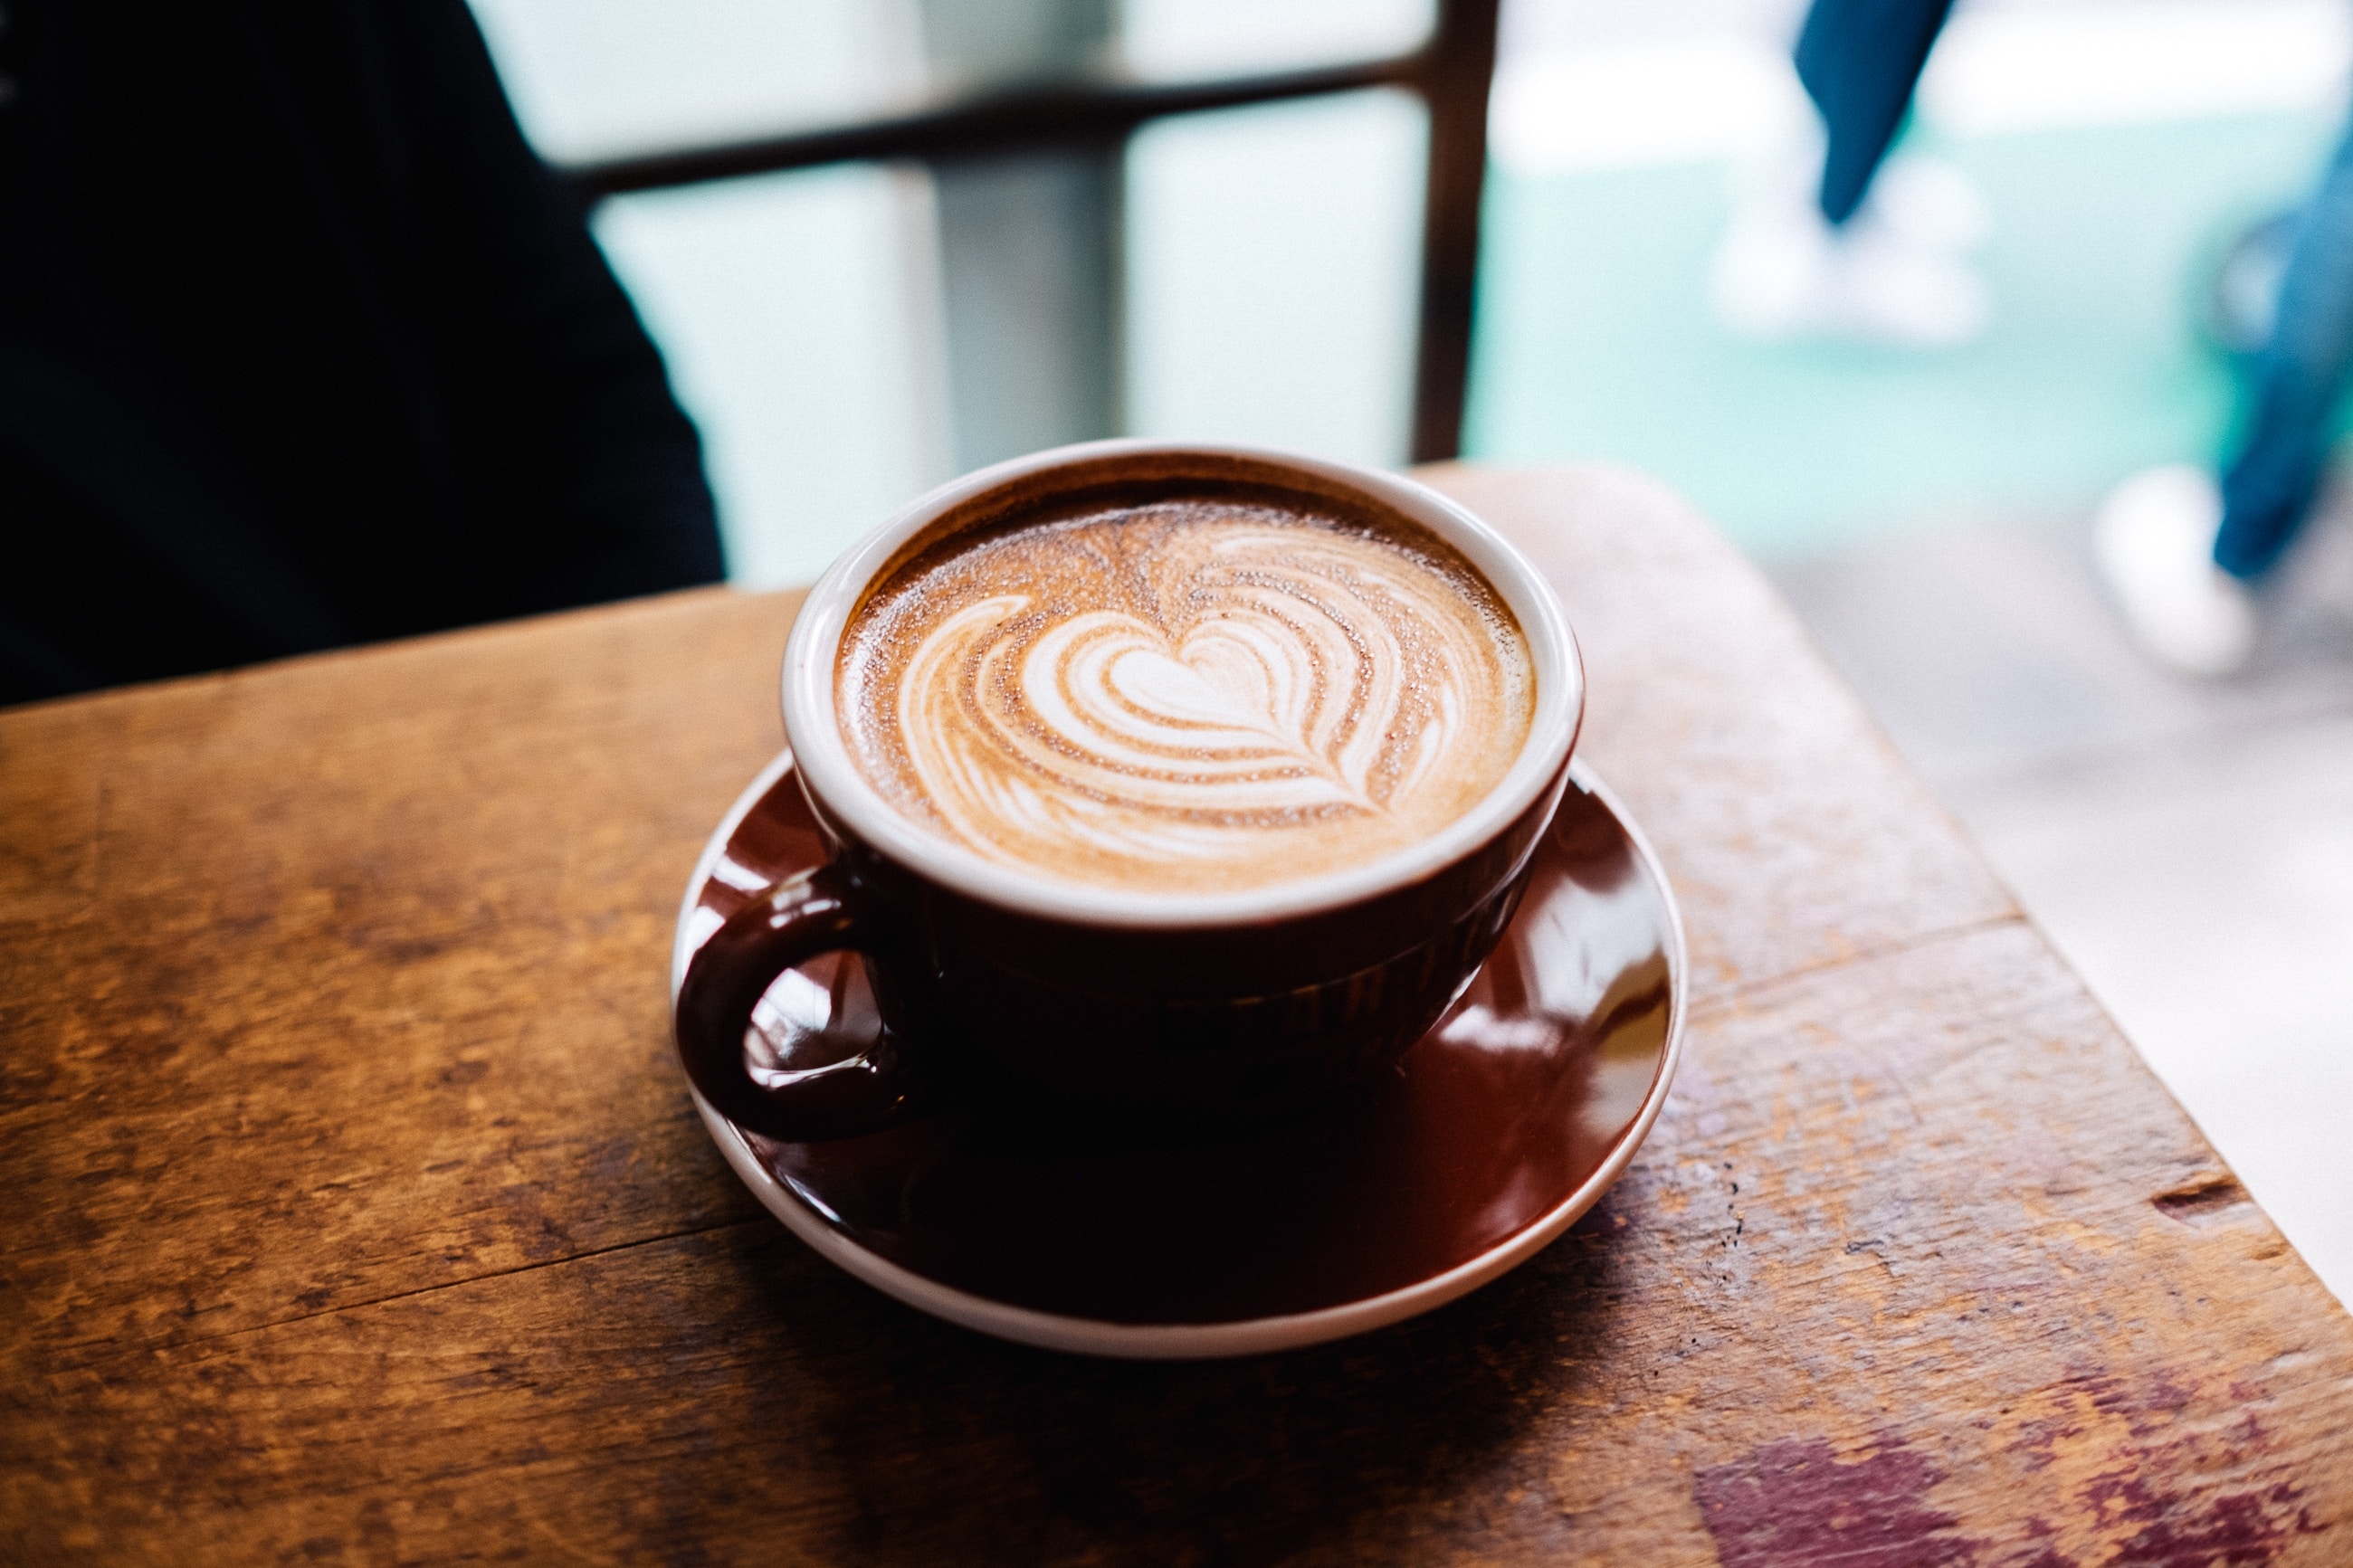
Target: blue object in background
[(2298, 379), (1595, 340)]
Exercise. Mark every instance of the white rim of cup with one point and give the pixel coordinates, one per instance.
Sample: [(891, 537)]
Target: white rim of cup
[(813, 729), (1178, 1341)]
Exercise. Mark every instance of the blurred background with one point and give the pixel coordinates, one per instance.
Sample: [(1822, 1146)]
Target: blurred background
[(847, 335)]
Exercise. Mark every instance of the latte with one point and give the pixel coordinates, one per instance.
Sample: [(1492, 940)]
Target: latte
[(1198, 694)]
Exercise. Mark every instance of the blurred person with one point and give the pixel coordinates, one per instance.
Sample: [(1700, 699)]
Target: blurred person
[(300, 345), (2186, 554), (1834, 241)]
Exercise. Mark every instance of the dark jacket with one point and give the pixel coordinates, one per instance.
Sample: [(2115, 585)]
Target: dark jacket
[(300, 345)]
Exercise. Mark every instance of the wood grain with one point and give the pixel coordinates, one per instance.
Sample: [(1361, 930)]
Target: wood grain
[(358, 1212), (325, 981), (1794, 834)]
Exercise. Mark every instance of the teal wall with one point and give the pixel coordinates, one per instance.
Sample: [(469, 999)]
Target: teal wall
[(1595, 340)]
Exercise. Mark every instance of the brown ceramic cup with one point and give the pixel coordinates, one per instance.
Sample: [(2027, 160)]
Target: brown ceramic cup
[(993, 982)]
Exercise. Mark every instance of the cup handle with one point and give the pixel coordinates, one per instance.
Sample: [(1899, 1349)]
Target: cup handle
[(824, 910)]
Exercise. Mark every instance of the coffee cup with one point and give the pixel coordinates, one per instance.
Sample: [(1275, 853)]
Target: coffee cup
[(1180, 781)]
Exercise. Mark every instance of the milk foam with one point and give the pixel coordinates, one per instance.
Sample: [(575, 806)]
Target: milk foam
[(1185, 696)]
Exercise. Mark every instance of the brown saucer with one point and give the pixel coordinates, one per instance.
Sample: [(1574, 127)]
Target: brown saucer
[(1505, 1124)]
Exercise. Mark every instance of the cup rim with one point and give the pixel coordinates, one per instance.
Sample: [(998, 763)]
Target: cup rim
[(842, 793)]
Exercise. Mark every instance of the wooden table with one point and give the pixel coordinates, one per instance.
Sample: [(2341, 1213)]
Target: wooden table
[(356, 1212)]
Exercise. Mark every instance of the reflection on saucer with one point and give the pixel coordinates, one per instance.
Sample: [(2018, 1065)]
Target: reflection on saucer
[(1507, 1122)]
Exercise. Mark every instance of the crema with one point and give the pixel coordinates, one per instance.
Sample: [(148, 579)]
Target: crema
[(1189, 695)]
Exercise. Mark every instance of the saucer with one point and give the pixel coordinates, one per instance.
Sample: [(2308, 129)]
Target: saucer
[(1507, 1121)]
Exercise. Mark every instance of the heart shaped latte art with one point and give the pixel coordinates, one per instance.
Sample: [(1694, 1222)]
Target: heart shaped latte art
[(1186, 698)]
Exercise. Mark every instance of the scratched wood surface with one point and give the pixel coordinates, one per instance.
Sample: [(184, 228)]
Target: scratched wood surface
[(356, 1213)]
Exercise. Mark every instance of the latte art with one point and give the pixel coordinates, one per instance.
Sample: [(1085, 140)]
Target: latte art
[(1185, 696)]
